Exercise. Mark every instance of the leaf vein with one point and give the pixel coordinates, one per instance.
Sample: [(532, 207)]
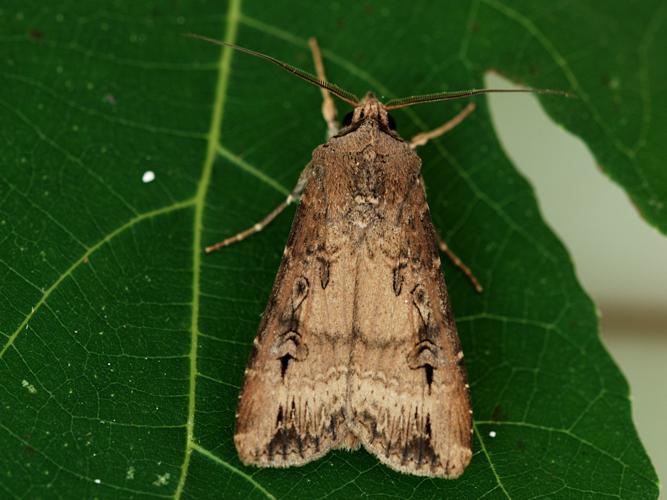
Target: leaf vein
[(568, 433), (215, 458), (224, 70), (70, 270)]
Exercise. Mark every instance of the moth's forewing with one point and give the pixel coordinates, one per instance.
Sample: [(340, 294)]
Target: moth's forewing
[(292, 404)]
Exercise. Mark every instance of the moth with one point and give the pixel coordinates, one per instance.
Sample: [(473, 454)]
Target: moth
[(358, 345)]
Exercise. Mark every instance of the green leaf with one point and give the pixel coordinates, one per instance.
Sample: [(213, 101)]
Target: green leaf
[(122, 346)]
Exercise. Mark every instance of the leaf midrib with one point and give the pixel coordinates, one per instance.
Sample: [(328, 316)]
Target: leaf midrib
[(224, 70)]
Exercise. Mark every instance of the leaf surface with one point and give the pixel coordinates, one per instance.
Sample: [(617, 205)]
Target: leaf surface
[(122, 346)]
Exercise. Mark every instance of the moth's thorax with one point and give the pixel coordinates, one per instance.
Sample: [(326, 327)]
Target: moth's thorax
[(365, 176)]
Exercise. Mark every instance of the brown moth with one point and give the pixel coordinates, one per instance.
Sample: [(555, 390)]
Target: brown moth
[(358, 344)]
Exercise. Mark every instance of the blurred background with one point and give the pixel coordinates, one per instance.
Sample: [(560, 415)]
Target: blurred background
[(620, 260)]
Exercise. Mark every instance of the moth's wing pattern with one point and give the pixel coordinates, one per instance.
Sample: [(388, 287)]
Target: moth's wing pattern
[(292, 404), (408, 395)]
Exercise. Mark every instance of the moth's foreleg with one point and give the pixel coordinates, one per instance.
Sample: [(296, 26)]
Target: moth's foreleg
[(328, 106), (256, 228), (423, 137), (459, 263)]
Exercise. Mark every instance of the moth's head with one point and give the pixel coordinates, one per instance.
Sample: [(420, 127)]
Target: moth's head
[(370, 108)]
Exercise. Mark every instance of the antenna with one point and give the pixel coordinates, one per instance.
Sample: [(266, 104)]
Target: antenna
[(342, 94), (404, 102), (353, 100)]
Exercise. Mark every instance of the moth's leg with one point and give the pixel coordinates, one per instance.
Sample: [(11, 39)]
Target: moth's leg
[(328, 106), (291, 198), (459, 263), (423, 137)]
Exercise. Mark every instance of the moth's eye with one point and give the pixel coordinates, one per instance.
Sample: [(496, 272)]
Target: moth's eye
[(392, 122), (348, 118)]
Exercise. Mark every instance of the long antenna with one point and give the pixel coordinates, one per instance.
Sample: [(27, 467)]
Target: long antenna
[(404, 102), (344, 95), (353, 100)]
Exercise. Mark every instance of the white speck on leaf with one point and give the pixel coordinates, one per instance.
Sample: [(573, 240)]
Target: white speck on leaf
[(97, 481), (31, 388), (130, 473), (149, 176), (492, 434), (162, 479)]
